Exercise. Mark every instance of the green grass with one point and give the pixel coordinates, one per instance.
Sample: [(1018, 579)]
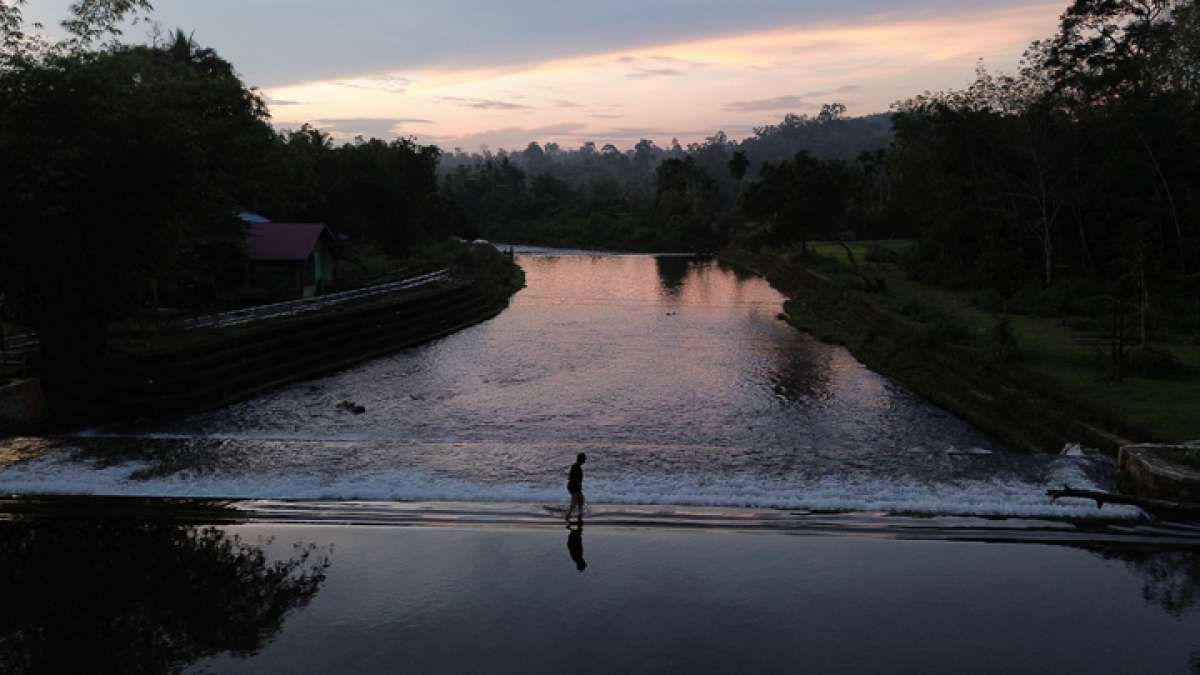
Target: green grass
[(1169, 408)]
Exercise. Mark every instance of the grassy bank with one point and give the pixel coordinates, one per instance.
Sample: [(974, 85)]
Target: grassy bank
[(1027, 380)]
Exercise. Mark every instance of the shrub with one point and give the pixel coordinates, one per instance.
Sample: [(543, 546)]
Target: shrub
[(988, 300), (1083, 323), (881, 254), (1155, 362), (946, 329), (1079, 297), (1002, 344)]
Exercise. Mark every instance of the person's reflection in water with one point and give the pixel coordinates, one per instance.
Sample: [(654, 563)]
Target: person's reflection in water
[(575, 547)]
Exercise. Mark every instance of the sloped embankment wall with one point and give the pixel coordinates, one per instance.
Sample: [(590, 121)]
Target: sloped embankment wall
[(231, 368)]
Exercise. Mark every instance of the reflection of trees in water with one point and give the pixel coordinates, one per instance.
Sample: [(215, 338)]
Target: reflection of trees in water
[(148, 597), (1170, 578), (802, 373), (672, 270), (740, 273)]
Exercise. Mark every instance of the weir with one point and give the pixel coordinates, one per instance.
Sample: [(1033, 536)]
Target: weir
[(673, 374)]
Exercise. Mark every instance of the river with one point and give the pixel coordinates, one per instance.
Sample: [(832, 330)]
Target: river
[(673, 374)]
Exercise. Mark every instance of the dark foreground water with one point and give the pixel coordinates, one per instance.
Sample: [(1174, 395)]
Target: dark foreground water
[(96, 586), (674, 375)]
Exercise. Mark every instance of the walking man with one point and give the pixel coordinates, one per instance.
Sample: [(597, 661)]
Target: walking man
[(575, 487)]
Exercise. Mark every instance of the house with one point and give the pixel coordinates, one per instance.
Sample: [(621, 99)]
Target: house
[(294, 259)]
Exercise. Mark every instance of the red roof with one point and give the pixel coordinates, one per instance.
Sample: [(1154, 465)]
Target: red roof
[(283, 241)]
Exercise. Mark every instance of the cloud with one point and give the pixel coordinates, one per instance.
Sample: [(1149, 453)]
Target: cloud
[(566, 104), (369, 127), (392, 84), (644, 73), (377, 35), (605, 116), (512, 137), (657, 65), (661, 58), (270, 101), (776, 103), (819, 46), (806, 100), (483, 103)]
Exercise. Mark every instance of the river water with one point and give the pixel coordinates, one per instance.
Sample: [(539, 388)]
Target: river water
[(674, 375)]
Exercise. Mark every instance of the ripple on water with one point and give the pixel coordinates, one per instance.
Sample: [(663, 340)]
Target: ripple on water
[(672, 374)]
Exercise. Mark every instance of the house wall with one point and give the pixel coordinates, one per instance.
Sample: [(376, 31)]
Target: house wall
[(323, 263)]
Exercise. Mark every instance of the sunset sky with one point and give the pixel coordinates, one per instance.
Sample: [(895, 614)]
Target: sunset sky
[(463, 73)]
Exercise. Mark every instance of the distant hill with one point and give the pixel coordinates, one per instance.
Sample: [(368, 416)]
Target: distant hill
[(844, 138)]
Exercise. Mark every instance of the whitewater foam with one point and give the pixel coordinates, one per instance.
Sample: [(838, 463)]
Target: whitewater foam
[(62, 474)]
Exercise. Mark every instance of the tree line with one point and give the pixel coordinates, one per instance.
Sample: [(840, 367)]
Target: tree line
[(1071, 181), (123, 168), (646, 197)]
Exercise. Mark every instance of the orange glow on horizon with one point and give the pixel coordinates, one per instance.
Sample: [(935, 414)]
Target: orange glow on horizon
[(689, 89)]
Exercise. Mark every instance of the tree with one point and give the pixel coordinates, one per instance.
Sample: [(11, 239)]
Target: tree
[(738, 164), (685, 202), (111, 162)]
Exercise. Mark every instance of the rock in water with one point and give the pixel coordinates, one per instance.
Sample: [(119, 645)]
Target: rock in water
[(351, 407)]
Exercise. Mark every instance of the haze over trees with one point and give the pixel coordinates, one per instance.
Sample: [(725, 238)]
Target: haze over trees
[(616, 198)]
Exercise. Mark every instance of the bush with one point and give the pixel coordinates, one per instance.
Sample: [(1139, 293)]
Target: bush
[(1083, 323), (1077, 297), (946, 329), (938, 327), (1002, 344), (1155, 362), (920, 311), (988, 300), (881, 254)]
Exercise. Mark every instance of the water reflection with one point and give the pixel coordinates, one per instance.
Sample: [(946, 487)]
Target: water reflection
[(575, 547), (1170, 578), (676, 371), (672, 270), (131, 596)]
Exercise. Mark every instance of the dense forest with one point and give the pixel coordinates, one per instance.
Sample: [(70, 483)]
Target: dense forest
[(1075, 180), (645, 198), (122, 169), (1070, 187)]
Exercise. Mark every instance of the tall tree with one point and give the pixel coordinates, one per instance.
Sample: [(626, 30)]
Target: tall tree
[(111, 160)]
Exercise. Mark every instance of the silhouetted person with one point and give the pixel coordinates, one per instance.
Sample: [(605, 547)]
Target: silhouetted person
[(575, 547), (575, 487)]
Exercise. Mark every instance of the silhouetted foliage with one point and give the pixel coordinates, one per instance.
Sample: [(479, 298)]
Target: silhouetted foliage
[(1082, 165), (1170, 579), (616, 199), (386, 192), (116, 165), (133, 596), (122, 168)]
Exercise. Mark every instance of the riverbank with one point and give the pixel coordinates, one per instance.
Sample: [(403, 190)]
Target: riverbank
[(187, 370), (975, 379), (326, 592)]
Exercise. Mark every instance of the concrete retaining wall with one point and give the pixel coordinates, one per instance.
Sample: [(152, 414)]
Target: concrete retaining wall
[(22, 405), (223, 371), (1154, 471)]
